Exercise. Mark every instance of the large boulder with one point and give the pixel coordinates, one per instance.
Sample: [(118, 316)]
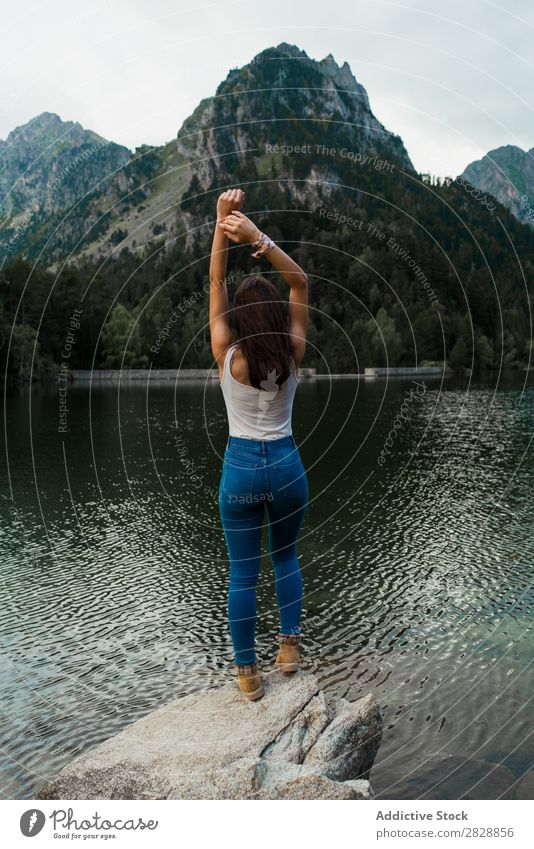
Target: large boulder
[(291, 744)]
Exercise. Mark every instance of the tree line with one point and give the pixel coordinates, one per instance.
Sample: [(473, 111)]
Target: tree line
[(373, 250)]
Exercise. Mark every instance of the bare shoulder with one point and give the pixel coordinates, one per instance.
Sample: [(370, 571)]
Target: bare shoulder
[(220, 360), (239, 367)]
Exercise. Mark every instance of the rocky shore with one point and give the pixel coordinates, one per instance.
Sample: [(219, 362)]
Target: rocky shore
[(291, 744)]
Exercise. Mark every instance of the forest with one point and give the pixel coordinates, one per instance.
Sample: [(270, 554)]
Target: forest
[(435, 276)]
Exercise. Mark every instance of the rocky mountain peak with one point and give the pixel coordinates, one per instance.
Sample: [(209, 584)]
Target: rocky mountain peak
[(49, 163), (344, 78), (285, 49), (48, 127), (286, 66), (280, 98), (284, 120), (507, 173)]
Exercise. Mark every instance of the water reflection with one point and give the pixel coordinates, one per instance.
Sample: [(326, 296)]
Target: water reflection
[(417, 571)]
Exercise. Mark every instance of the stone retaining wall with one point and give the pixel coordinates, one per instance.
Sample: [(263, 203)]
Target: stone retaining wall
[(131, 375)]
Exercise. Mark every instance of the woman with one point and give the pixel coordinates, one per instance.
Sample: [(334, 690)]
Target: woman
[(258, 369)]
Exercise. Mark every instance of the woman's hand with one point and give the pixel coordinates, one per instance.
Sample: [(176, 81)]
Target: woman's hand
[(228, 201), (239, 228)]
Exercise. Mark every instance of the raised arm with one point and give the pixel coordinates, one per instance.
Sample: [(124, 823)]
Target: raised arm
[(237, 227), (220, 332)]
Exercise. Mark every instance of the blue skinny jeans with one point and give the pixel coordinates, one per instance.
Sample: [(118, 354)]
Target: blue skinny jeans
[(258, 474)]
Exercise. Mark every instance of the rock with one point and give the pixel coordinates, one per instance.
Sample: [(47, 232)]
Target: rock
[(348, 747), (296, 739), (217, 745), (312, 786)]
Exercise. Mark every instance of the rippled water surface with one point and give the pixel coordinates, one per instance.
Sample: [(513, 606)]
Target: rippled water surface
[(416, 554)]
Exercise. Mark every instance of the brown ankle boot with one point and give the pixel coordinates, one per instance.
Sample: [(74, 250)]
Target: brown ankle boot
[(249, 680), (288, 657)]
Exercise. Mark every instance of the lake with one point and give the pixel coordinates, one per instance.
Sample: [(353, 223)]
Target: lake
[(416, 554)]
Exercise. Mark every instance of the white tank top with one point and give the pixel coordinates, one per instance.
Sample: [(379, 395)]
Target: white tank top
[(258, 413)]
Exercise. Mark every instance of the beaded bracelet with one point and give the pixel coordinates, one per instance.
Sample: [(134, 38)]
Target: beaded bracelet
[(263, 245)]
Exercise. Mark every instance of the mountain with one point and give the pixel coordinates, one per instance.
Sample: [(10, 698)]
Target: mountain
[(50, 164), (507, 173), (284, 98), (88, 196), (403, 267)]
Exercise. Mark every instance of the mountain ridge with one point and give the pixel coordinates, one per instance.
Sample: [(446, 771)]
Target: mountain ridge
[(403, 267), (507, 173), (46, 121), (39, 157), (280, 93)]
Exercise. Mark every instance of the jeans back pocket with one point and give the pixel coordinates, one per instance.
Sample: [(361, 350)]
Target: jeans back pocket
[(237, 480), (291, 477)]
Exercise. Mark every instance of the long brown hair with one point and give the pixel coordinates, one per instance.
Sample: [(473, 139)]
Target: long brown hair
[(262, 324)]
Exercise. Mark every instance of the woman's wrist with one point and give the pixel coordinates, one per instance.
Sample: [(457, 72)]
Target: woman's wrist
[(263, 245)]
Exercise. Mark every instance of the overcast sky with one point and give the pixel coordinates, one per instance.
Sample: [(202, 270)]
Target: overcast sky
[(453, 79)]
